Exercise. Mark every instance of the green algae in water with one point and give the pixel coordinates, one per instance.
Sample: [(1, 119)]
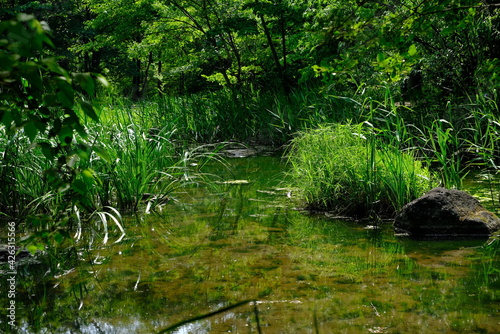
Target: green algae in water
[(216, 247)]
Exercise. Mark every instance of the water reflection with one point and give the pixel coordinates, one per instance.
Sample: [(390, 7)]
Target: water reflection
[(216, 247)]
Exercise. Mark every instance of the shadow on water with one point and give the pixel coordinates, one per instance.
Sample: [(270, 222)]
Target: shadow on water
[(237, 257)]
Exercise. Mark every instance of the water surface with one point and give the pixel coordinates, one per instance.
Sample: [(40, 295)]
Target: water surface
[(214, 247)]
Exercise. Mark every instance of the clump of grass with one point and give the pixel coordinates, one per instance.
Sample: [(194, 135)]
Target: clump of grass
[(137, 166), (341, 168), (143, 164), (21, 174)]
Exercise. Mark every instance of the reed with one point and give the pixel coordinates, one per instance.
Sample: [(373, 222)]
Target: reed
[(131, 166), (446, 145), (143, 164), (483, 130), (404, 177)]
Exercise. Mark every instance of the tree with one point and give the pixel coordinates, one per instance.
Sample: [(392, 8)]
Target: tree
[(66, 20), (279, 18), (211, 35), (437, 47), (232, 44)]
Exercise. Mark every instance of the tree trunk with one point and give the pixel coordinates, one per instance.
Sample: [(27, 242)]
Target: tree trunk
[(159, 83), (136, 81), (146, 74)]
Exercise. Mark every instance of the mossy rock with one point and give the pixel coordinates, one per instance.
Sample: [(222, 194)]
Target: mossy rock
[(446, 213)]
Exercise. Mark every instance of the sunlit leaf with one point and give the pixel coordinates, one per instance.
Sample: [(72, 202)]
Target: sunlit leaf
[(412, 50), (102, 80), (88, 109), (58, 237), (102, 153)]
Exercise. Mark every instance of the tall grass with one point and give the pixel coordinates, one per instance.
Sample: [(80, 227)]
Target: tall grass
[(252, 117), (149, 144), (136, 166), (341, 168), (143, 162), (450, 138), (21, 174), (132, 167), (446, 145)]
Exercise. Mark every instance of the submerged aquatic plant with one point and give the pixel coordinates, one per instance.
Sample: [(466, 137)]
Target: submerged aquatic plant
[(341, 168)]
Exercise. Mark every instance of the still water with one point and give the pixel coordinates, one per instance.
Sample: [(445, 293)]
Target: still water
[(237, 257)]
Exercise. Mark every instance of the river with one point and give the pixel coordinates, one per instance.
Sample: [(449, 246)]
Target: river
[(238, 257)]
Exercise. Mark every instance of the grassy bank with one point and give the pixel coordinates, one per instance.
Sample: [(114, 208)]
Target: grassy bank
[(381, 163), (468, 127), (267, 118)]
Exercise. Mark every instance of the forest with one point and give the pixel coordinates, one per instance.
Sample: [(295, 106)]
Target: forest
[(420, 51), (111, 109)]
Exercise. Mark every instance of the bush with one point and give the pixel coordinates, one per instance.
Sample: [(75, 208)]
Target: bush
[(343, 168)]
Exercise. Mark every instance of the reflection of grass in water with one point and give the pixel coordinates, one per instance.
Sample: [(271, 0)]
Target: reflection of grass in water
[(486, 269), (347, 281), (335, 249)]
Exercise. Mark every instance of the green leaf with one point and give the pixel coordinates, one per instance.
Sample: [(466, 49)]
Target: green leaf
[(89, 176), (31, 72), (65, 135), (102, 80), (412, 50), (83, 151), (88, 109), (66, 94), (7, 118), (35, 248), (47, 150), (52, 65), (58, 237), (102, 153), (79, 186)]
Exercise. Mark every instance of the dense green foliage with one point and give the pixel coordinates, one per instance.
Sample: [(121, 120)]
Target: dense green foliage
[(424, 50), (378, 101), (42, 135), (60, 166)]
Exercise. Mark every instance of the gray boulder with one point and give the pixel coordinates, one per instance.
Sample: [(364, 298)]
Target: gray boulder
[(446, 213)]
